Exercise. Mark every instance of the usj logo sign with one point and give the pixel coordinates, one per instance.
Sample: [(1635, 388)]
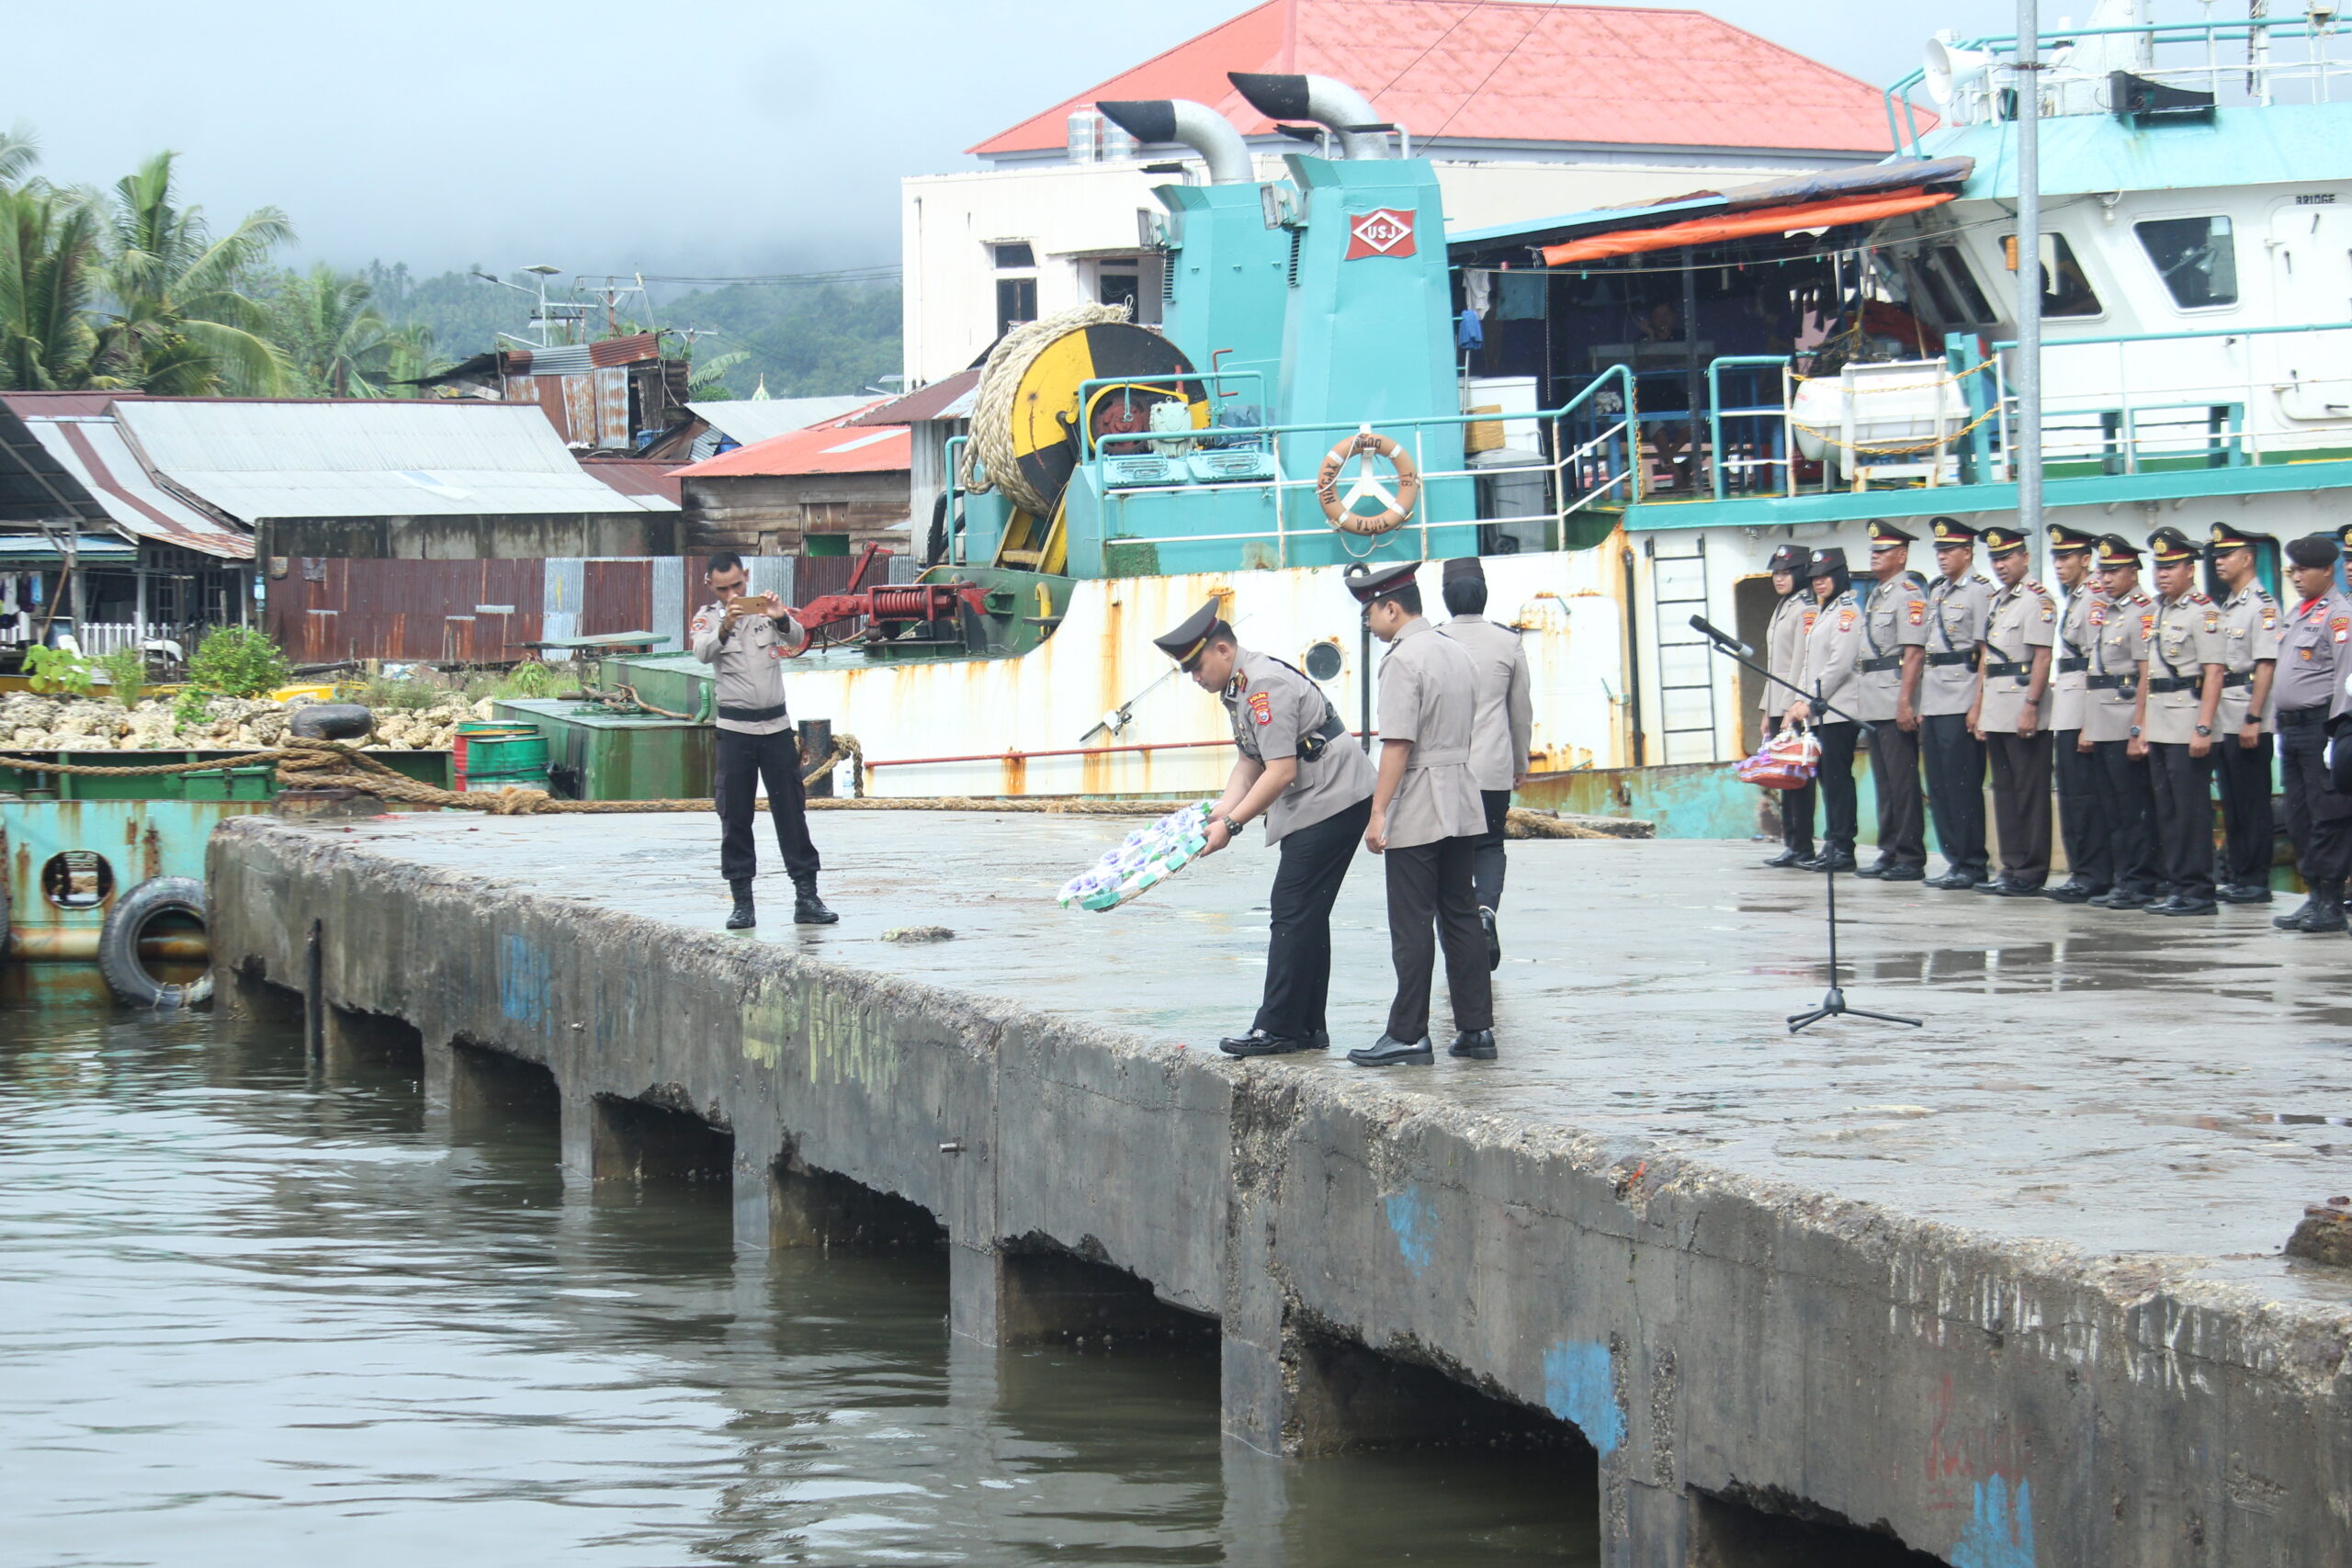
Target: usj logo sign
[(1382, 233)]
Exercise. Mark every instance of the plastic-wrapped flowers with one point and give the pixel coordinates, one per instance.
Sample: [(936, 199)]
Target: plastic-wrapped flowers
[(1149, 857)]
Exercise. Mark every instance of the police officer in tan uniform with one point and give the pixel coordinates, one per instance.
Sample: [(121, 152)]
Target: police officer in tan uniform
[(2122, 618), (1784, 640), (2082, 816), (1957, 603), (2180, 697), (1296, 769), (1894, 630), (2242, 727), (1426, 821), (1834, 650), (2314, 657), (1503, 730), (2013, 684)]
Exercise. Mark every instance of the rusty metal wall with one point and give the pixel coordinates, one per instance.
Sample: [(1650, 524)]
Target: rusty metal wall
[(816, 575), (616, 596), (611, 391), (323, 609)]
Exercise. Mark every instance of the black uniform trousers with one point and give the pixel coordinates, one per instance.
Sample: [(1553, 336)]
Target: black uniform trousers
[(1839, 814), (1796, 806), (2319, 817), (1902, 816), (1431, 899), (1486, 861), (1955, 762), (2082, 819), (743, 761), (1315, 861), (2183, 792), (2247, 827), (2130, 803), (2020, 766)]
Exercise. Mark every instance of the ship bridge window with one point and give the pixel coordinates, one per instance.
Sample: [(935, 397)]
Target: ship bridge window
[(2066, 288), (1973, 306), (2195, 257)]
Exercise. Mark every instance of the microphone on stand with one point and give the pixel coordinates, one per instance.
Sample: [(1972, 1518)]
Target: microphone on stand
[(1721, 637)]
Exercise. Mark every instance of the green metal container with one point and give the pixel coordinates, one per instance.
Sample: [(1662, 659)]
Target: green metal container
[(595, 755), (487, 751), (237, 779)]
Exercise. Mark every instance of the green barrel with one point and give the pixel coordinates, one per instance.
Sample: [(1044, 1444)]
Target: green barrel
[(510, 753)]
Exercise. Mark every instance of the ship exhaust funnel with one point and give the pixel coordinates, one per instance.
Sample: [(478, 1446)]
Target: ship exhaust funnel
[(1187, 124), (1335, 105)]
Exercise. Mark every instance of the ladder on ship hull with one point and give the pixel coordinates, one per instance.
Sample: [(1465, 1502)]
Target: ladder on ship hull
[(1686, 673)]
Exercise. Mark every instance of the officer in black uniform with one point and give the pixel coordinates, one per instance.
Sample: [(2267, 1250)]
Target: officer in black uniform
[(1299, 772)]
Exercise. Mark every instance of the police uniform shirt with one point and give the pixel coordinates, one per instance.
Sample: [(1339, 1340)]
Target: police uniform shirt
[(1894, 618), (1428, 695), (2188, 637), (2315, 648), (1276, 710), (2021, 619), (1834, 650), (746, 666), (2120, 632), (1784, 642), (1955, 625), (2071, 660), (1504, 727), (2249, 634)]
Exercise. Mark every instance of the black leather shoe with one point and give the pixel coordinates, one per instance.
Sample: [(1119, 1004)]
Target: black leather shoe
[(1387, 1052), (2319, 913), (1787, 857), (808, 910), (1873, 870), (744, 916), (1474, 1044), (1826, 861), (1903, 874), (2072, 892), (1318, 1040), (2005, 888), (1494, 942), (2243, 893), (2176, 905), (1985, 885), (1258, 1043), (2122, 899), (1951, 881)]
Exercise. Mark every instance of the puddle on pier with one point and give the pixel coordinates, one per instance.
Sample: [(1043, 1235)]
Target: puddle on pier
[(244, 1309)]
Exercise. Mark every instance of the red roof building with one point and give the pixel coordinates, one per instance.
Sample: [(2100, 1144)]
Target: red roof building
[(823, 491), (1462, 73)]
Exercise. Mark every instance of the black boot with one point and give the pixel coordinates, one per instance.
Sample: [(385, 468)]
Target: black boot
[(808, 910), (744, 916), (2323, 911)]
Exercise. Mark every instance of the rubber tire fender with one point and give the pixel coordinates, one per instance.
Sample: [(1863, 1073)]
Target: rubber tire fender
[(119, 942)]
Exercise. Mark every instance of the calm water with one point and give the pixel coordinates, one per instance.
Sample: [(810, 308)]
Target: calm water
[(242, 1311)]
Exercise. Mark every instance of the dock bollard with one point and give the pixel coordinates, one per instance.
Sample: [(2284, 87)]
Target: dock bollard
[(817, 743)]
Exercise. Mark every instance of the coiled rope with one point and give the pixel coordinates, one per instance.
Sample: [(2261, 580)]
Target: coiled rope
[(993, 399)]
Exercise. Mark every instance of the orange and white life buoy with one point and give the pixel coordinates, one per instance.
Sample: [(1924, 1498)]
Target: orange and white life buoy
[(1396, 505)]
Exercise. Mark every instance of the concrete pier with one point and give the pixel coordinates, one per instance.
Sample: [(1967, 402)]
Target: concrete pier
[(2005, 1291)]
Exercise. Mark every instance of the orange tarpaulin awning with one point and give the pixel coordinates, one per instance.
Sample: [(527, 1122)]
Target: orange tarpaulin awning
[(1740, 225)]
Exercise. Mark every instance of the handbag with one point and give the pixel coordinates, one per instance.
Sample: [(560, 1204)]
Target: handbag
[(1787, 761)]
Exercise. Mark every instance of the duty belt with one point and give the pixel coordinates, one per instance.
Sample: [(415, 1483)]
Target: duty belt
[(2295, 718), (2017, 667), (2073, 666), (1964, 655), (749, 715), (1872, 666), (2108, 684), (2175, 683), (2243, 678)]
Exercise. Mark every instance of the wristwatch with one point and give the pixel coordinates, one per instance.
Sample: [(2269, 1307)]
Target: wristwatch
[(2135, 732), (1232, 829), (2206, 730)]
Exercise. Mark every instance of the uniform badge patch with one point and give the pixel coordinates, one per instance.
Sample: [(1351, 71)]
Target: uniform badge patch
[(1845, 620), (1811, 616), (2147, 625), (2098, 615), (2213, 621), (1918, 612), (1261, 707), (2270, 617), (2339, 628), (2048, 614)]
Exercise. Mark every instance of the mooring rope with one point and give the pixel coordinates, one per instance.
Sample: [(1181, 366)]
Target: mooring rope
[(991, 439)]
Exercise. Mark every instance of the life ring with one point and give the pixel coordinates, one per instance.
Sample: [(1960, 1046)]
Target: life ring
[(128, 921), (1338, 510)]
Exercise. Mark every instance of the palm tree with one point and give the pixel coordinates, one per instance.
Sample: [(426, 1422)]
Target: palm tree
[(182, 322), (413, 357), (334, 338), (49, 273), (19, 150)]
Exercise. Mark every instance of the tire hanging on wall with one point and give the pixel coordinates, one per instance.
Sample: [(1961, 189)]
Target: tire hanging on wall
[(128, 921)]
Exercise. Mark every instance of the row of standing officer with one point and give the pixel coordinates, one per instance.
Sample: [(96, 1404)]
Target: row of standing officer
[(2134, 704), (1455, 721)]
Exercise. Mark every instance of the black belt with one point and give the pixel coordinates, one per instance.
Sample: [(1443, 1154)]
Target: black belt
[(2175, 683), (1944, 660), (2295, 718), (750, 715), (2243, 678), (2108, 684), (1872, 666), (2017, 667), (2072, 666)]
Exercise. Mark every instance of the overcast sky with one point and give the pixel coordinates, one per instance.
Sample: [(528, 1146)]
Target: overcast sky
[(703, 135)]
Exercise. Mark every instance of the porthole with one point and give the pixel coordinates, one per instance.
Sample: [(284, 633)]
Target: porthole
[(77, 879), (1323, 660)]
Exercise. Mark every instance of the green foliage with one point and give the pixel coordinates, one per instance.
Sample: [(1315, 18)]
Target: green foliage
[(182, 322), (530, 680), (190, 707), (237, 661), (126, 672), (58, 672), (404, 694)]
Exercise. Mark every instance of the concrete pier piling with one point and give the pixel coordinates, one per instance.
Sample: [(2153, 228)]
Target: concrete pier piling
[(1771, 1331)]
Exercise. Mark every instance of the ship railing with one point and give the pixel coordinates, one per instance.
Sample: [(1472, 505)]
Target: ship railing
[(2302, 60), (1594, 459)]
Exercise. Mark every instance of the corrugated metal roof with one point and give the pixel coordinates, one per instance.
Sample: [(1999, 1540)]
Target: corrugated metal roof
[(837, 448), (635, 476), (1482, 71), (94, 452), (93, 549), (576, 358), (950, 397), (745, 420), (257, 460)]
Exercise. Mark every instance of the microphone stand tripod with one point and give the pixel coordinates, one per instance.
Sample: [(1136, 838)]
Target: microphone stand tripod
[(1833, 1002)]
